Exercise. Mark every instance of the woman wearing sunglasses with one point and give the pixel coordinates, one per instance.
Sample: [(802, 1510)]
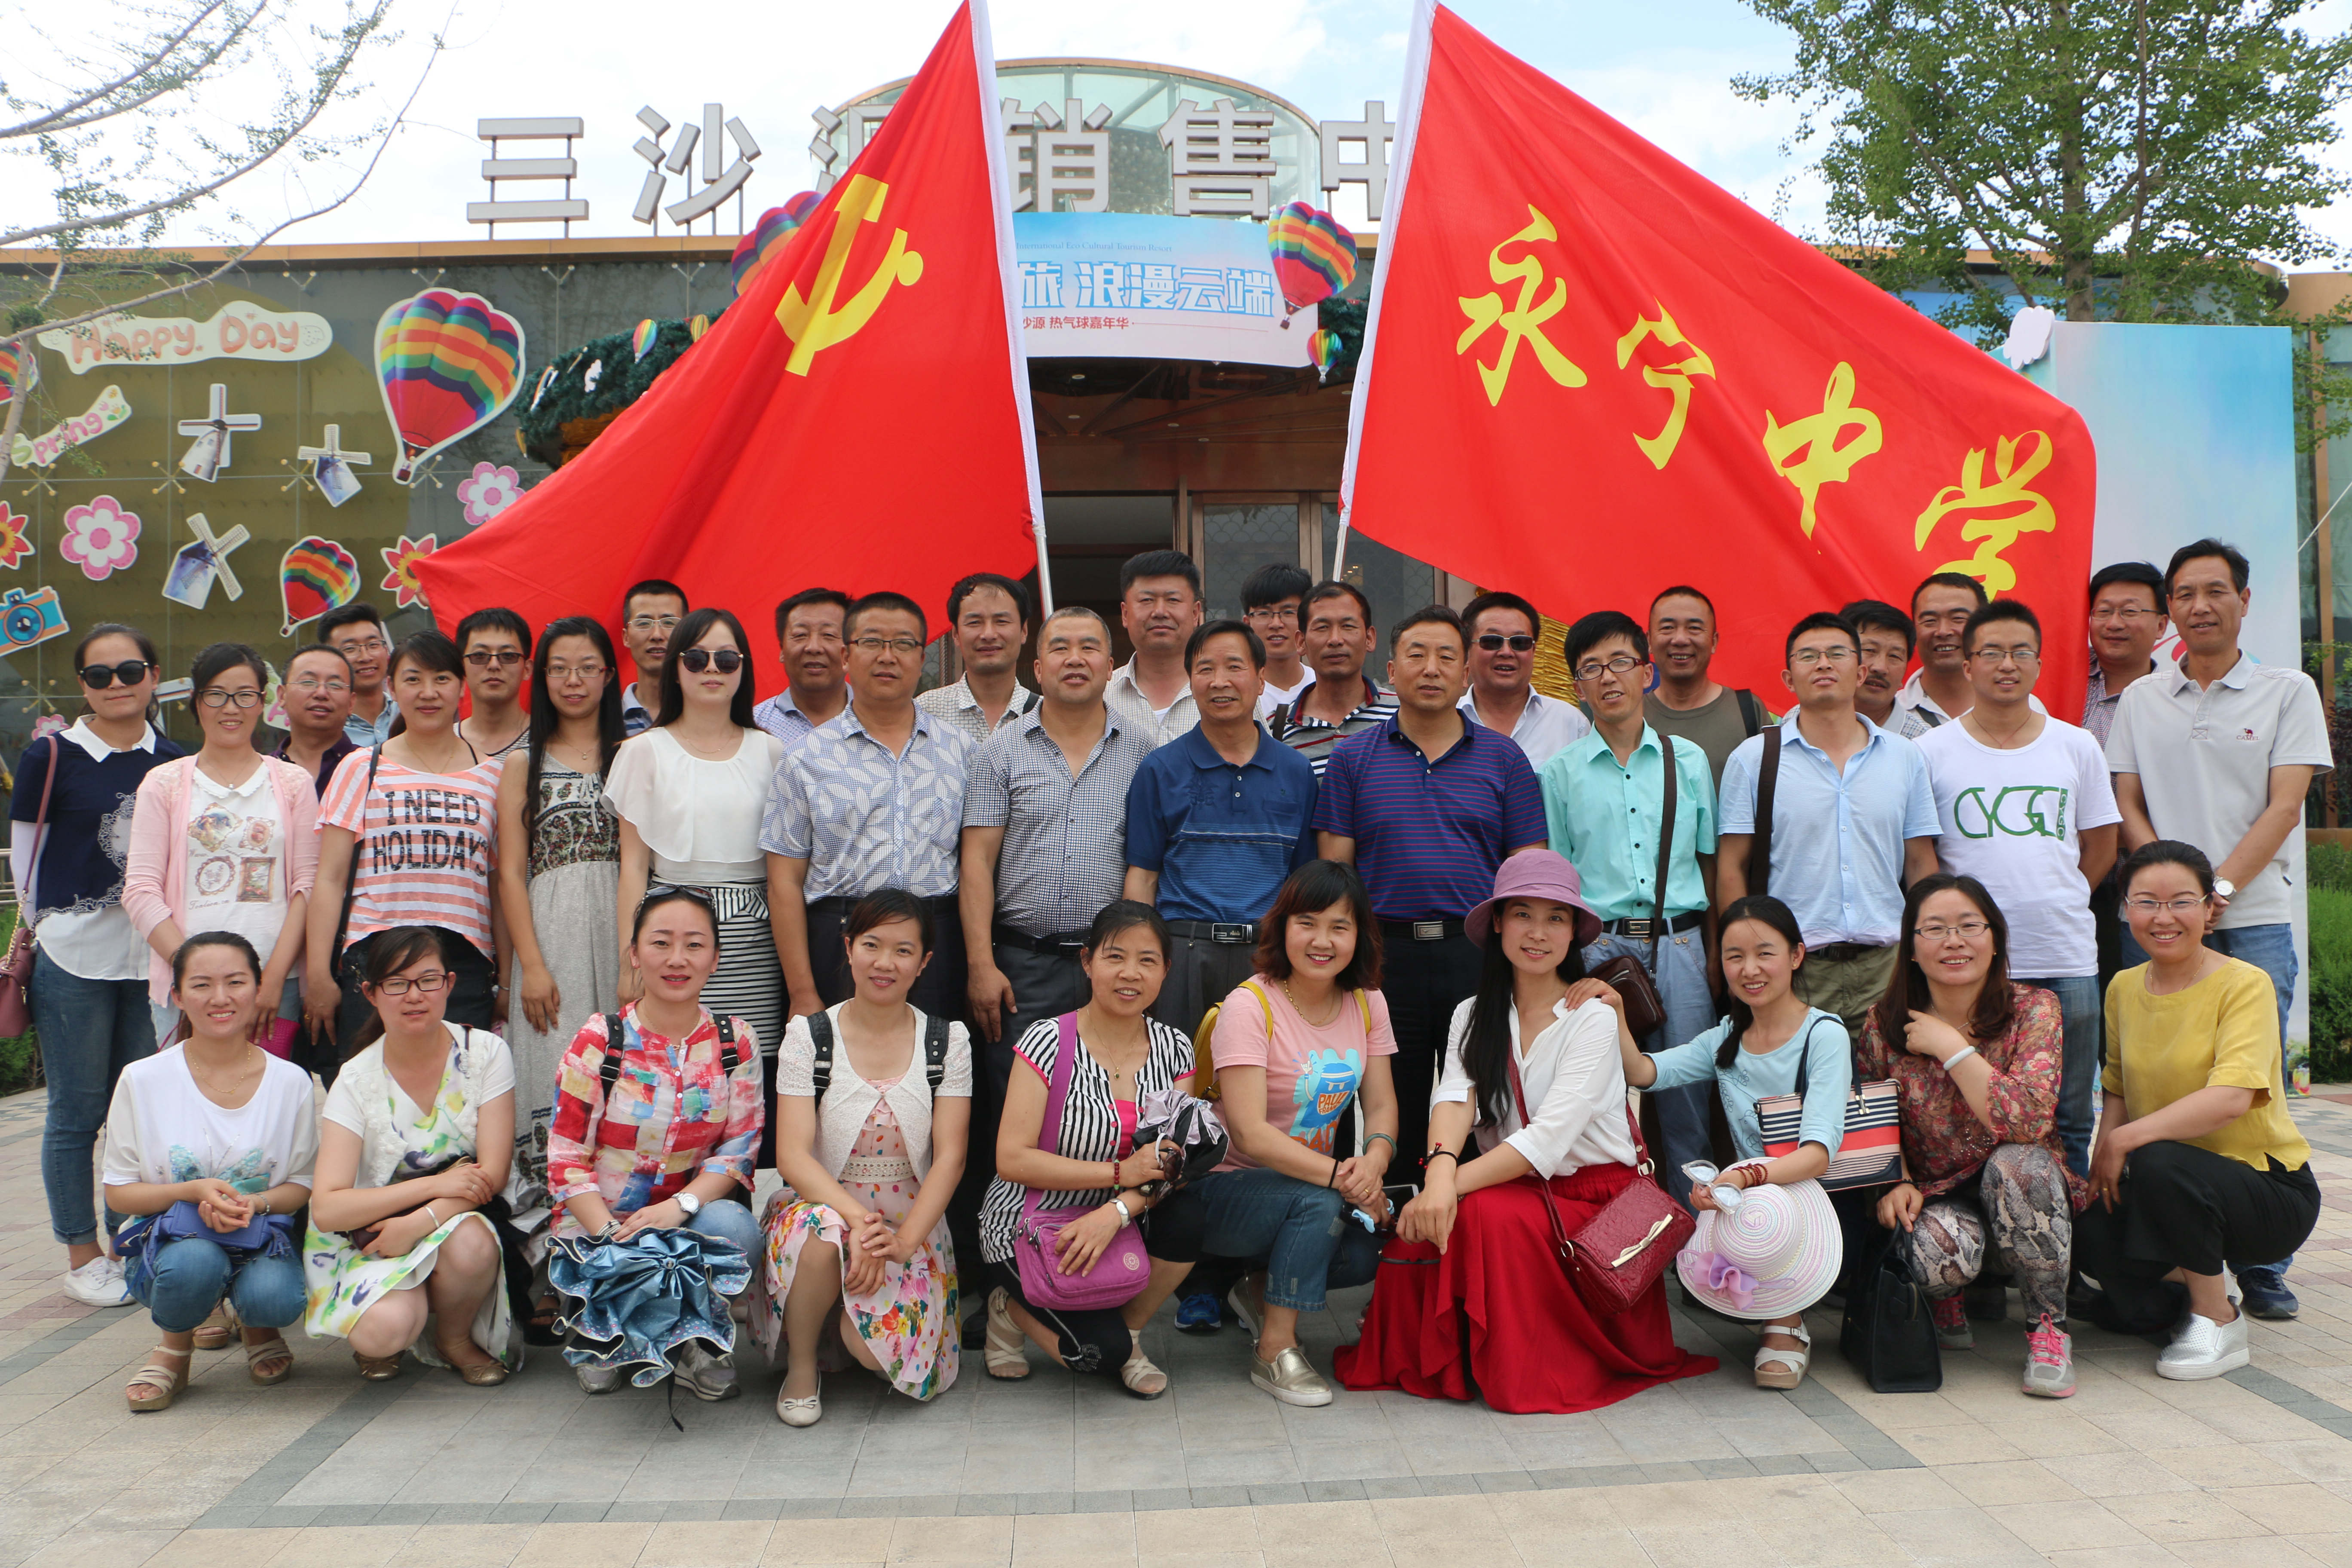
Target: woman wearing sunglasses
[(689, 792), (71, 831)]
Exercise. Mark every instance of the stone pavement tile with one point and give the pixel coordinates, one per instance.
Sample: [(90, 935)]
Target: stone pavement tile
[(2259, 1551), (806, 1541), (2298, 1506), (355, 1546), (705, 1545), (2141, 1554), (2008, 1482), (86, 1548), (2066, 1526), (583, 1546), (1241, 1467), (1955, 1534), (2334, 1550), (467, 1546), (1719, 1541), (2232, 1466), (2064, 1436), (1072, 1540), (2172, 1517), (1339, 1526), (1896, 1491), (1365, 1459), (2126, 1474), (1937, 1446), (2322, 1459), (965, 1543), (1826, 1542), (222, 1549), (1447, 1528), (2151, 1431)]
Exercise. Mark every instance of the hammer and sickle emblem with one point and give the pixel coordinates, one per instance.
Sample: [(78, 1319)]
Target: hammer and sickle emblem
[(814, 324)]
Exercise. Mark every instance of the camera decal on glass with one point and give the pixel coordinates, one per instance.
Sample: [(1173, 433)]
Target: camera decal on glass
[(29, 618)]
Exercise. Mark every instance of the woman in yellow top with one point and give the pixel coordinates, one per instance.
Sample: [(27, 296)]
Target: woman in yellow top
[(2198, 1161)]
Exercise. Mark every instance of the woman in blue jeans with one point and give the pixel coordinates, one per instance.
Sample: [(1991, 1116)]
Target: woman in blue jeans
[(211, 1145), (89, 968), (1294, 1047)]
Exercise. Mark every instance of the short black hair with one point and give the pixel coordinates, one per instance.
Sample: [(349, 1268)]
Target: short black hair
[(1160, 563), (220, 658), (497, 618), (2140, 571), (1500, 599), (1431, 615), (1332, 588), (351, 614), (1997, 611), (806, 597), (1272, 583), (327, 647), (2240, 572), (1590, 631), (1948, 580), (1679, 591), (1820, 620), (656, 587), (1200, 636), (1013, 591), (1878, 615), (884, 599), (428, 651)]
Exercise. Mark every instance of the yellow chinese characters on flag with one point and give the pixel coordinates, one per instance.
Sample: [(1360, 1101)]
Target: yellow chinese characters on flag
[(1590, 373)]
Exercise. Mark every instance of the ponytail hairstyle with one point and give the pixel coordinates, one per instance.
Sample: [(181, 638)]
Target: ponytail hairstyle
[(389, 953), (1486, 1040), (1768, 911), (611, 730), (427, 650)]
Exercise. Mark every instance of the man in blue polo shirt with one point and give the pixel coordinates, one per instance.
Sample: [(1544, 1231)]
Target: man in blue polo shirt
[(1426, 805), (1215, 819)]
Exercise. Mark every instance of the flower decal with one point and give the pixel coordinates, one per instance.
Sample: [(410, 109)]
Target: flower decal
[(102, 538), (403, 557), (490, 491), (50, 724), (15, 542)]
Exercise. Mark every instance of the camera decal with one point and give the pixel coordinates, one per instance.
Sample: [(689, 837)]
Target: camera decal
[(29, 618)]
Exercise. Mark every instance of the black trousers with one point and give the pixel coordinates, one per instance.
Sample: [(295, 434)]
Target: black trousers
[(938, 989), (1045, 986), (2187, 1207), (1201, 973), (1424, 981), (473, 1000)]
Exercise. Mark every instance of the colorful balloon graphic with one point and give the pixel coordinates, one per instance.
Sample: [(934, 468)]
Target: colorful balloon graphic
[(643, 337), (768, 235), (317, 575), (1314, 257), (450, 363), (1323, 348), (17, 364)]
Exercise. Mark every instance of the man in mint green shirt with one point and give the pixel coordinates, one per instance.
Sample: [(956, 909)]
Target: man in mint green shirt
[(1604, 801)]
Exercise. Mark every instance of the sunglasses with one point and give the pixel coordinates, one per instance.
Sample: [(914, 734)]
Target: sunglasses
[(483, 657), (1518, 642), (698, 659), (99, 677)]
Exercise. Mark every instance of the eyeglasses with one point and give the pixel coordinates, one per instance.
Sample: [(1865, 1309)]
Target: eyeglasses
[(652, 622), (1806, 658), (569, 672), (698, 659), (99, 677), (332, 684), (2183, 906), (356, 645), (1967, 930), (400, 986), (1493, 642), (1594, 669), (907, 648), (1272, 613), (2127, 613), (214, 697), (483, 657), (2020, 655)]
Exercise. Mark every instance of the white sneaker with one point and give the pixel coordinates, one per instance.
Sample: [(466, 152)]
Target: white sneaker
[(99, 1283), (2202, 1348)]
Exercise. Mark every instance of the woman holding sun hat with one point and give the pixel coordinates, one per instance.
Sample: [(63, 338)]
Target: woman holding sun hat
[(1765, 1253)]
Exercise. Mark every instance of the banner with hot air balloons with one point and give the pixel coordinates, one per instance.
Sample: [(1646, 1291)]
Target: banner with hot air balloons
[(1133, 285), (448, 363)]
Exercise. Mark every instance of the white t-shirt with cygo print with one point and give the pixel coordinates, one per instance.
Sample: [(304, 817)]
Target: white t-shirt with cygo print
[(236, 859), (159, 1128), (2014, 821)]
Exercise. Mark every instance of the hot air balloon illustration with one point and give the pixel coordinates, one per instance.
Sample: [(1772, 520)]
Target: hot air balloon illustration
[(450, 363), (1314, 257), (768, 235), (317, 575), (1323, 348), (643, 337), (19, 369)]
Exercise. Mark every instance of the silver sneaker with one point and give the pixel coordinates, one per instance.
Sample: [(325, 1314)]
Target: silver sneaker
[(2049, 1361), (1289, 1379), (99, 1283), (598, 1379), (705, 1375), (2201, 1347)]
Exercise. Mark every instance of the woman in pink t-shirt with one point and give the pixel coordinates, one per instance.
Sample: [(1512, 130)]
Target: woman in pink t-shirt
[(1295, 1046)]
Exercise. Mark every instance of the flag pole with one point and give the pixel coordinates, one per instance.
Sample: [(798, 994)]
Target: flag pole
[(983, 49)]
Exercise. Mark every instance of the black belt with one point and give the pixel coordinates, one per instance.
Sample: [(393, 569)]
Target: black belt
[(1061, 945), (1227, 933), (1639, 926), (1840, 951), (1422, 931), (841, 904)]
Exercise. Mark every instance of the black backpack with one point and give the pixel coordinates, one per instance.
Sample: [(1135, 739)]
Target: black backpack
[(935, 1050), (615, 1036)]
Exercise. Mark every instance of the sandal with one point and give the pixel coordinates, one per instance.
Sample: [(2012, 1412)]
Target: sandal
[(1006, 1355), (378, 1368), (259, 1353), (1143, 1380), (163, 1382), (216, 1333), (481, 1375), (1779, 1368), (545, 1324)]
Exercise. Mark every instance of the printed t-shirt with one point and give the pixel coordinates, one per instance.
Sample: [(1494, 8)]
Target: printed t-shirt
[(237, 859), (159, 1128), (425, 850), (1311, 1073)]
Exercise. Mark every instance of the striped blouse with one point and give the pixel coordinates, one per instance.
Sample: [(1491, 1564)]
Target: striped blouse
[(423, 845), (1090, 1129)]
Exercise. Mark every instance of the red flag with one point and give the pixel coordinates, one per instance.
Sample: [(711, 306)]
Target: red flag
[(1590, 373), (859, 419)]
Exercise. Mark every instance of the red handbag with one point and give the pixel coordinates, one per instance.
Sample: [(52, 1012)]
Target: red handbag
[(17, 968), (1624, 1247)]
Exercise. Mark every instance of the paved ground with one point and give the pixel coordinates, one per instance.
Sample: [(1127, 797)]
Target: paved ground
[(2256, 1469)]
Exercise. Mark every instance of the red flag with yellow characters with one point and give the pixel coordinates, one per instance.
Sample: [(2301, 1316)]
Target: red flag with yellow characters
[(859, 419), (1590, 373)]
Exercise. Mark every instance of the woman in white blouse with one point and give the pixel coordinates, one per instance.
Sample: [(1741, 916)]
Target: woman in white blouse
[(1538, 1085), (689, 792), (870, 1155)]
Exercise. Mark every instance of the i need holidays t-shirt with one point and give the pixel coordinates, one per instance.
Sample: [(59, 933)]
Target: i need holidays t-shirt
[(424, 846)]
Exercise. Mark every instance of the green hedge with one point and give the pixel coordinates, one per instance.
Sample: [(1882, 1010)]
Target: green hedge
[(2329, 873)]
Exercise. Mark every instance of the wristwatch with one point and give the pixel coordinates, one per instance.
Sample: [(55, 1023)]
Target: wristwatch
[(689, 1203), (2226, 888)]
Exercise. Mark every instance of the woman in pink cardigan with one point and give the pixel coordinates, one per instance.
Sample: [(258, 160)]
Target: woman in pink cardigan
[(226, 840)]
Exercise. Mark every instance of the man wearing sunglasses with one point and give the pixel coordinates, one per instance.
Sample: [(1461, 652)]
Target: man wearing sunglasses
[(1502, 694), (495, 646), (356, 631)]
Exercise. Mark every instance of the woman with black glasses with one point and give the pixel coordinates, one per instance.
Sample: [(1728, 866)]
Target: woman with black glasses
[(68, 843)]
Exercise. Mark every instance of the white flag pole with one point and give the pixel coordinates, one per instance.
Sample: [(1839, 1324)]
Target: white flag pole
[(983, 49)]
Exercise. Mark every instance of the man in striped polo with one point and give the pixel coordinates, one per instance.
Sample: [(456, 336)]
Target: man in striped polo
[(1342, 701)]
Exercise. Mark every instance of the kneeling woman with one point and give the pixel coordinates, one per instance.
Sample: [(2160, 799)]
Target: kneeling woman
[(1768, 1038), (658, 1130), (1537, 1081), (211, 1143), (1082, 1166), (415, 1144), (858, 1239), (2198, 1162)]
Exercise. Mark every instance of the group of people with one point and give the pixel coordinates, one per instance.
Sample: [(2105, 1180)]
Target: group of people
[(577, 955)]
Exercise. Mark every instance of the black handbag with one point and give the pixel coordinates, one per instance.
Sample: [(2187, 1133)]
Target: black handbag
[(1889, 1335)]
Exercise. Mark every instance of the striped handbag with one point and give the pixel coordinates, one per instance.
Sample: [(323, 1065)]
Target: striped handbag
[(1870, 1154)]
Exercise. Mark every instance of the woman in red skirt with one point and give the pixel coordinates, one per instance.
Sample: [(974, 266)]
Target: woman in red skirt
[(1470, 1297)]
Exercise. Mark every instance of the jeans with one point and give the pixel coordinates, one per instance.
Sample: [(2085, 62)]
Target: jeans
[(192, 1275), (2079, 1001), (1680, 975), (89, 1031), (1309, 1239), (729, 1220)]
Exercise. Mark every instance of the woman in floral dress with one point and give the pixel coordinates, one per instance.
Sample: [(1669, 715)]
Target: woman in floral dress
[(857, 1239)]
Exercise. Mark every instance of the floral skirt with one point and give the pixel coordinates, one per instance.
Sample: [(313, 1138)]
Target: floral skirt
[(909, 1322), (344, 1283)]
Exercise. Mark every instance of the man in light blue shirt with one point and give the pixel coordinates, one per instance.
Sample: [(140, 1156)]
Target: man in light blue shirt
[(1604, 802), (1853, 824)]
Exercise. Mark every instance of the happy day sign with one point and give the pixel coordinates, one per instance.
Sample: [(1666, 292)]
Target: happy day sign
[(39, 451), (236, 332)]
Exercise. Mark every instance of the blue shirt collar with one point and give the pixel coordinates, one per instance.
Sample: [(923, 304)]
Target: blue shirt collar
[(1792, 733), (1204, 756)]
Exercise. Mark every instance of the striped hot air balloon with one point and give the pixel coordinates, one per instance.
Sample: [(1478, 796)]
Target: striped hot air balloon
[(449, 363), (1314, 257), (768, 235)]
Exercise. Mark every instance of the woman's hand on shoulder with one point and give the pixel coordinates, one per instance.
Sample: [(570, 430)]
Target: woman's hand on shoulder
[(1591, 990)]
